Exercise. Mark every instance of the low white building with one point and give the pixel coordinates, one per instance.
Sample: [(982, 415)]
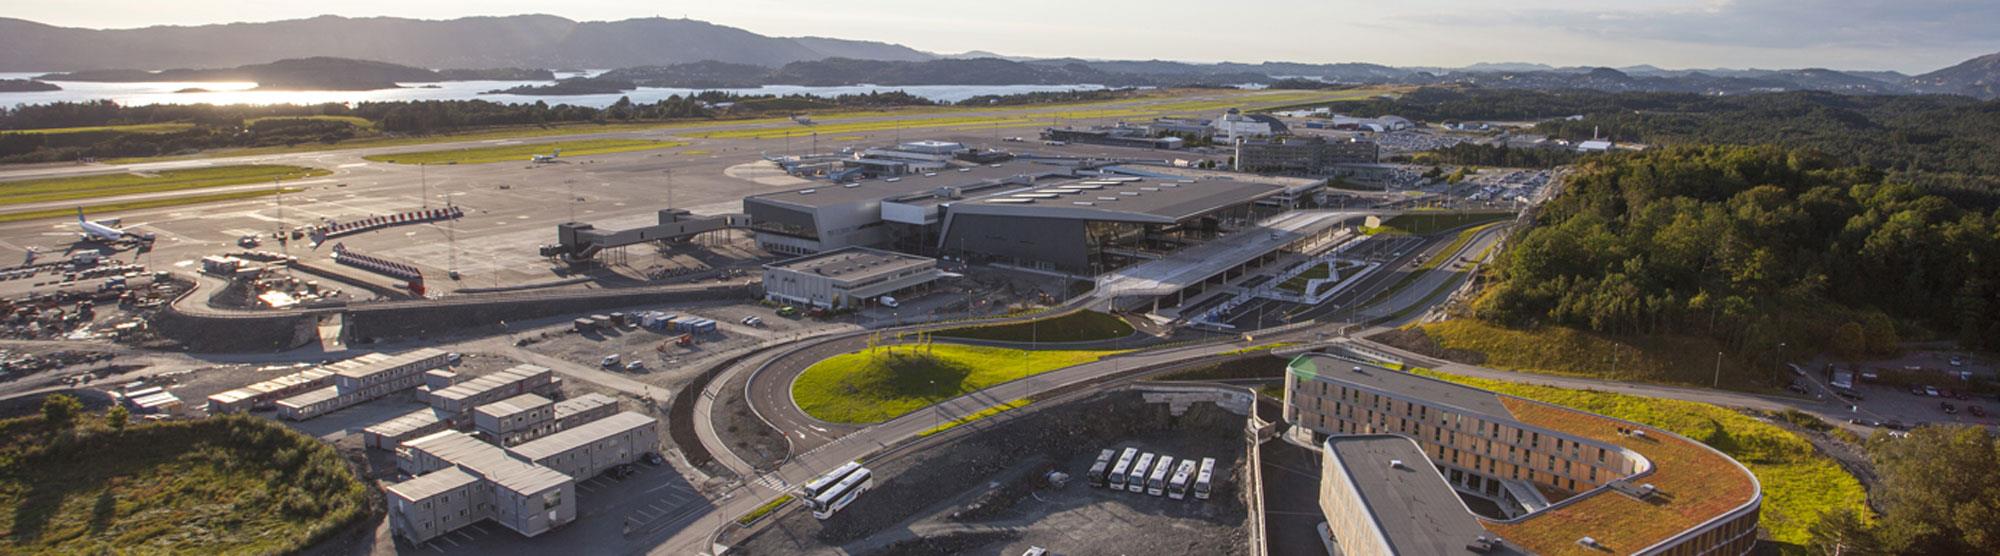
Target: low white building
[(846, 277)]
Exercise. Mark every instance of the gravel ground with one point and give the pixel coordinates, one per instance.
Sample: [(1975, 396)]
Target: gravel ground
[(911, 508)]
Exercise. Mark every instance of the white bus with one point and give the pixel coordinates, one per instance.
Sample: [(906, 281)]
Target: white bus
[(831, 478), (1157, 484), (1177, 488), (1123, 468), (1203, 480), (1137, 482), (842, 494), (1101, 467)]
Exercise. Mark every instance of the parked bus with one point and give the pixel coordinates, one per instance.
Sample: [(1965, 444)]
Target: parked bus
[(1177, 488), (842, 494), (1137, 482), (1157, 484), (1101, 467), (831, 478), (1123, 468), (1203, 479)]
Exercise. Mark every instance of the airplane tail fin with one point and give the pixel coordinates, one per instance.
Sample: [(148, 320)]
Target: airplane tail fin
[(79, 214)]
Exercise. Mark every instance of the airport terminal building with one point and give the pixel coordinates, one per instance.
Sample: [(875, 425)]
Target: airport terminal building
[(1094, 225), (1405, 458)]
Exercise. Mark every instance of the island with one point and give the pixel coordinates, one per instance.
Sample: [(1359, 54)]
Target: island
[(26, 86), (571, 86)]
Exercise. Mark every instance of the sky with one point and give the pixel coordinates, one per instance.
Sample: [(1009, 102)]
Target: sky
[(1905, 35)]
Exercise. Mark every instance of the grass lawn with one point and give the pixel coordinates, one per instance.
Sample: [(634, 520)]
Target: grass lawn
[(136, 205), (1565, 351), (1799, 484), (871, 387), (169, 127), (1080, 326), (90, 187), (1430, 222), (974, 416), (355, 121), (225, 485), (523, 152), (764, 510)]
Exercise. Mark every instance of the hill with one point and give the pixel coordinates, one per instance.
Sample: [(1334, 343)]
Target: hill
[(319, 73), (1978, 77), (537, 41)]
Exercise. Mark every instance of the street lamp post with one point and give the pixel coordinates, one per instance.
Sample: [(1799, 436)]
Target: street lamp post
[(1717, 381)]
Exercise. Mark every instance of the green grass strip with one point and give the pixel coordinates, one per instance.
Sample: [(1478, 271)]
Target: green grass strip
[(974, 416)]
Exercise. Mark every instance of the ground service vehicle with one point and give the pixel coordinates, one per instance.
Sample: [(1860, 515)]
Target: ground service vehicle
[(1204, 478), (1177, 487), (1137, 481), (1101, 467), (1124, 467), (1157, 484)]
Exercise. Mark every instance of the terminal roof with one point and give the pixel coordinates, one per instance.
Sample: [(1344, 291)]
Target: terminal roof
[(852, 263)]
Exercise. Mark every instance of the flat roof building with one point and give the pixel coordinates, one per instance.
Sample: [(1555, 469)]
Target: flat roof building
[(515, 420), (528, 498), (591, 448), (1304, 156), (387, 435), (361, 380), (1559, 478), (847, 277), (836, 215), (1381, 496), (460, 399), (583, 409), (1094, 225)]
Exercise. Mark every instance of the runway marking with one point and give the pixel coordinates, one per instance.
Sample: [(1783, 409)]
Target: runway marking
[(353, 165)]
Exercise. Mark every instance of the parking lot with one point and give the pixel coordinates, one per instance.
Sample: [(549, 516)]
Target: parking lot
[(1908, 391)]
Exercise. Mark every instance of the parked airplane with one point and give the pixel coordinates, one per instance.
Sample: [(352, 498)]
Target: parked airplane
[(546, 158), (108, 231)]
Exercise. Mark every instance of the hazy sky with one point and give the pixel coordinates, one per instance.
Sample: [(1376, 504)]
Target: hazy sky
[(1906, 35)]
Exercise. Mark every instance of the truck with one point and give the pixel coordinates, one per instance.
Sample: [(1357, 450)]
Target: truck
[(890, 302)]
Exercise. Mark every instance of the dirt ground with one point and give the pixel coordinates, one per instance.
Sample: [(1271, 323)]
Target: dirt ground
[(925, 503)]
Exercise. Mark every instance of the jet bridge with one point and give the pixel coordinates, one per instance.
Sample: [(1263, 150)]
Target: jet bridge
[(578, 243)]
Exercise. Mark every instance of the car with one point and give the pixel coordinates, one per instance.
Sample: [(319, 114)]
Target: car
[(1848, 393), (1957, 361), (609, 361), (453, 358), (1865, 422), (653, 458), (1948, 408), (1976, 411), (1917, 391), (1930, 391), (635, 366), (1796, 387), (1036, 551)]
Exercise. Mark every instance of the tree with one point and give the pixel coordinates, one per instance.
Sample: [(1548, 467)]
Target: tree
[(60, 411), (1850, 341), (1940, 491), (1843, 532), (117, 417)]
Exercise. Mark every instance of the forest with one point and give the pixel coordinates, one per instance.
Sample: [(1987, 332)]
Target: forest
[(1756, 247), (1943, 144)]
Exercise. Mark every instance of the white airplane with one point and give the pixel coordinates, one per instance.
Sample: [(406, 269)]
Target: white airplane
[(108, 231), (546, 158)]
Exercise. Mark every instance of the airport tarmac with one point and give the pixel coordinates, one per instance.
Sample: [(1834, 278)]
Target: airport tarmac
[(511, 208)]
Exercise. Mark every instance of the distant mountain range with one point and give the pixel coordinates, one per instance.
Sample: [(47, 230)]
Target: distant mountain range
[(690, 53), (317, 73)]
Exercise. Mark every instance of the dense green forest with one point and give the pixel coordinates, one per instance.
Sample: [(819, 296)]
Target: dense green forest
[(228, 126), (1754, 246), (1937, 496), (1945, 144)]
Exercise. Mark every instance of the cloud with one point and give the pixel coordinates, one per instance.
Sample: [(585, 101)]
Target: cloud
[(1891, 24)]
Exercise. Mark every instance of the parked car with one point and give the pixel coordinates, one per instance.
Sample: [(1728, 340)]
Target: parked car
[(1796, 387), (1976, 411), (1957, 361), (653, 458), (635, 366), (1865, 422), (1930, 391), (610, 361), (1948, 408)]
